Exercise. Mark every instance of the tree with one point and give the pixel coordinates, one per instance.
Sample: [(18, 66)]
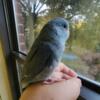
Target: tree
[(38, 12), (31, 10)]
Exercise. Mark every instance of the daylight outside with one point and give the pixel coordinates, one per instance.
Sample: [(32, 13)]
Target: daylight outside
[(82, 52)]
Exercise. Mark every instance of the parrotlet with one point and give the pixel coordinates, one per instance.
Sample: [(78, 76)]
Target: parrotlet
[(46, 52)]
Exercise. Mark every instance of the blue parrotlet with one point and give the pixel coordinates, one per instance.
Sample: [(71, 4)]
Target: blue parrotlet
[(46, 51)]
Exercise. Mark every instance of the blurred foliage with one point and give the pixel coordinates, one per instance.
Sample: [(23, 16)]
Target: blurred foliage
[(0, 98), (83, 16), (87, 14), (98, 47)]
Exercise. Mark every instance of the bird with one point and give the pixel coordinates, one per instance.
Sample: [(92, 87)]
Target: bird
[(46, 51)]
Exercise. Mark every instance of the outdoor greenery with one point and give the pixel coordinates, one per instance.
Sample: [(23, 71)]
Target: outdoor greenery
[(84, 19), (0, 98)]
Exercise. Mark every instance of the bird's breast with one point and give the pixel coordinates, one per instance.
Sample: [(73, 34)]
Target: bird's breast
[(57, 49)]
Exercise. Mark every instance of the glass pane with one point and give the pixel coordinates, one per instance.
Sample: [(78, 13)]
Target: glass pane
[(82, 51)]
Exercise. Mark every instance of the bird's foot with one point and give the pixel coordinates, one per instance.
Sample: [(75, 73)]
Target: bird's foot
[(53, 78), (51, 81)]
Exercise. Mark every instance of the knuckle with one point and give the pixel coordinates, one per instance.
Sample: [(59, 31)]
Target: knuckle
[(79, 82)]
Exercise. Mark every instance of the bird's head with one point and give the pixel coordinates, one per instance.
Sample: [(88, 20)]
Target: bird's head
[(56, 29), (61, 27)]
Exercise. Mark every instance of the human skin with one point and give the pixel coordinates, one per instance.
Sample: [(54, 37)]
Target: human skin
[(68, 88)]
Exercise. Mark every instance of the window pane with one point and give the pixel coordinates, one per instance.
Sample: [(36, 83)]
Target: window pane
[(82, 51)]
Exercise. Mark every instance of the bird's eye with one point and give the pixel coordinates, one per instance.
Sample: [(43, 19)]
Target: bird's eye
[(65, 26)]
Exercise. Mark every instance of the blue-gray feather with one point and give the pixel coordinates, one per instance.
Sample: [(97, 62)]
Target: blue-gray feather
[(46, 51)]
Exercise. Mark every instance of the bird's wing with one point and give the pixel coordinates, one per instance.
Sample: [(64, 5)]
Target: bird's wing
[(41, 58)]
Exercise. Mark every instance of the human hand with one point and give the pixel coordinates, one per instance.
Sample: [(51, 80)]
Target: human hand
[(72, 87), (64, 90), (66, 86), (62, 72)]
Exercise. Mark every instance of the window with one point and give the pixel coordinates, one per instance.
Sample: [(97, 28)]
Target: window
[(82, 52)]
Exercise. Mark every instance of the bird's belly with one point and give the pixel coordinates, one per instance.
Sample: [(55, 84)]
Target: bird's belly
[(43, 75)]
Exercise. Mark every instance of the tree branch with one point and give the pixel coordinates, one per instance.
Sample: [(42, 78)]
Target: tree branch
[(34, 7), (41, 6), (43, 11), (37, 4), (26, 6)]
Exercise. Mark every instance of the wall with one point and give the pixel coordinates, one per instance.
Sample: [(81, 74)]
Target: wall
[(19, 25), (5, 91)]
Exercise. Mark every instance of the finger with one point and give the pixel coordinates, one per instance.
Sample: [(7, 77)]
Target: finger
[(55, 75), (67, 70), (76, 81), (66, 77), (59, 75), (72, 73), (79, 82)]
